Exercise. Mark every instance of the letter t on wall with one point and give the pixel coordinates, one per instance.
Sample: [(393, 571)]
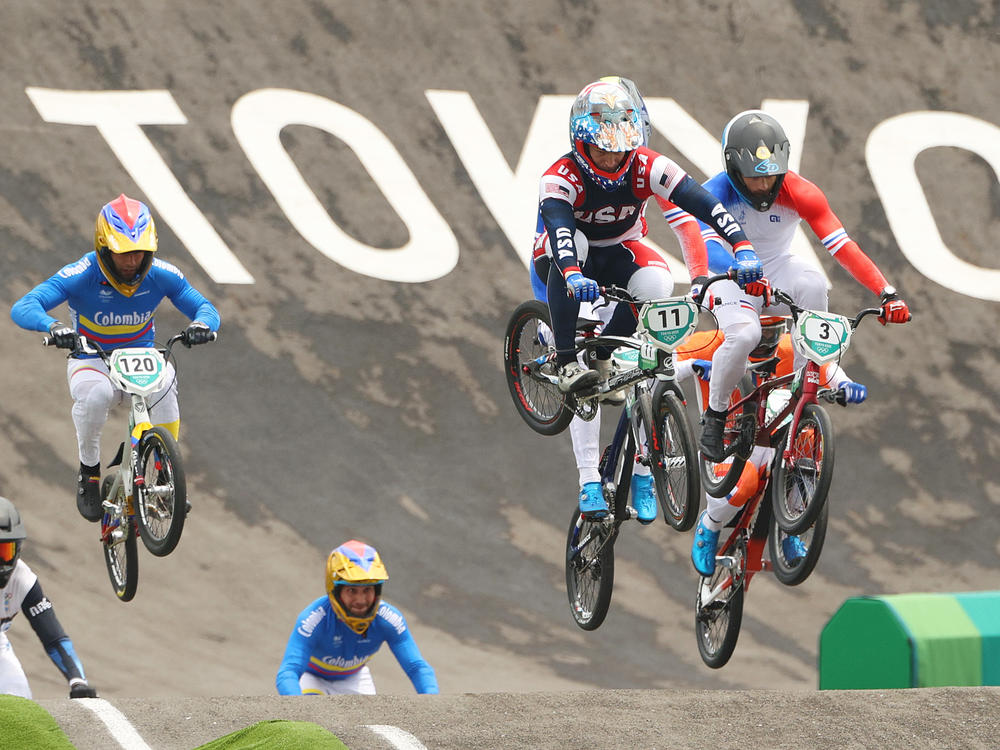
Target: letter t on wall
[(118, 115)]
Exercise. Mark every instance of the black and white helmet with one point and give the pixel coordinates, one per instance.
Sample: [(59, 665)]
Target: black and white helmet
[(755, 145), (12, 534)]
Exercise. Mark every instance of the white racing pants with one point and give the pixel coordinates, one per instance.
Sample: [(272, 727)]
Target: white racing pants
[(12, 678), (359, 683), (739, 314), (94, 396)]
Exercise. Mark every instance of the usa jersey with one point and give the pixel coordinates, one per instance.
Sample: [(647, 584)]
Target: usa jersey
[(611, 217), (326, 646), (101, 313)]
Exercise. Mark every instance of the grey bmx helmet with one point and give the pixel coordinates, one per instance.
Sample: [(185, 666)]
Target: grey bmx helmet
[(12, 535), (755, 145)]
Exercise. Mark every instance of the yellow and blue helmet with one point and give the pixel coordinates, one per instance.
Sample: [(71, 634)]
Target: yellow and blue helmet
[(355, 563), (123, 226)]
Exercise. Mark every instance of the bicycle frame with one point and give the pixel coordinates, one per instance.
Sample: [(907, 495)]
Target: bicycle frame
[(742, 551), (126, 479), (627, 436), (803, 393)]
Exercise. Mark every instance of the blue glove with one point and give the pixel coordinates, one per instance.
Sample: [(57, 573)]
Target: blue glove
[(702, 368), (853, 393), (583, 289), (747, 266)]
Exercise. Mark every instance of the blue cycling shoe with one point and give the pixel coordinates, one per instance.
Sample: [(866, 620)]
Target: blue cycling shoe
[(793, 549), (706, 542), (593, 506), (643, 498)]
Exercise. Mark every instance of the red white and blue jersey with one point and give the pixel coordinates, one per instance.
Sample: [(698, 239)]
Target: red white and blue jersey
[(611, 217), (102, 313), (771, 231), (324, 645)]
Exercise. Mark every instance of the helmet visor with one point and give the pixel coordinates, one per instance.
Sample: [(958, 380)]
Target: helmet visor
[(771, 331), (614, 127), (8, 552)]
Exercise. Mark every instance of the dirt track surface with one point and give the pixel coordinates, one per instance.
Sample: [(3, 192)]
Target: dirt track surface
[(339, 405), (924, 719)]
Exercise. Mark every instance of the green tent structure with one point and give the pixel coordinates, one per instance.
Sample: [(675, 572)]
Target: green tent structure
[(912, 640)]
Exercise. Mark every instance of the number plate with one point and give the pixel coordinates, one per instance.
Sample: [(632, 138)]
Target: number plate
[(821, 337), (668, 322), (141, 368)]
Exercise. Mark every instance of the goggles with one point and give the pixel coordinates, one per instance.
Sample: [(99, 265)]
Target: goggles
[(8, 552)]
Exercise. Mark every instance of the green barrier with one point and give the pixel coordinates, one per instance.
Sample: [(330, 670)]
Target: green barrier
[(912, 640)]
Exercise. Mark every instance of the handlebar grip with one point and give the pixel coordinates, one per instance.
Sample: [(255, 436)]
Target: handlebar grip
[(214, 335), (48, 341)]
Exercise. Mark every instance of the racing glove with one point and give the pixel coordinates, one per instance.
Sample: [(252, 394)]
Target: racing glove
[(582, 288), (80, 689), (851, 393), (197, 333), (697, 284), (702, 368), (759, 288), (894, 309), (63, 336), (747, 266)]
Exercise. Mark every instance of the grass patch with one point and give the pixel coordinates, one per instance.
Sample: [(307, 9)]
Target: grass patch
[(25, 724), (278, 734)]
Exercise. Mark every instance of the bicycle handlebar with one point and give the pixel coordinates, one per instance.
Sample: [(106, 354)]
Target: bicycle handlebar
[(621, 295), (784, 298), (88, 346)]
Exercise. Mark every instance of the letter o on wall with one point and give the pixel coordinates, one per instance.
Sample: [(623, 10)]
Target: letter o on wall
[(891, 153), (258, 118)]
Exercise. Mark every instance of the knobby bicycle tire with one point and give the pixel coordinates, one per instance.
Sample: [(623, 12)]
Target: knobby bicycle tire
[(717, 624), (719, 478), (812, 538), (590, 570), (161, 503), (674, 459), (121, 555), (799, 491), (539, 403)]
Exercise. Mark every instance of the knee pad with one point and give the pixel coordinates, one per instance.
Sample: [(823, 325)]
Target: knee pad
[(95, 393), (582, 246), (742, 337), (812, 291), (650, 282)]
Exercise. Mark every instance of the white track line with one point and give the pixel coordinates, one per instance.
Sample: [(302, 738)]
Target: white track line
[(396, 737), (119, 727)]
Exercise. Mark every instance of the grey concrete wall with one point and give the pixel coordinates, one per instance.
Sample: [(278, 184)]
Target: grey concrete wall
[(337, 404)]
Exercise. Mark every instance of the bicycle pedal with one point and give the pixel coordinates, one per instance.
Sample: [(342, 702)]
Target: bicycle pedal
[(726, 561)]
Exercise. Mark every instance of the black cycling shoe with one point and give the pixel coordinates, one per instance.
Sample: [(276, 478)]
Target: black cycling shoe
[(88, 493), (711, 444)]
